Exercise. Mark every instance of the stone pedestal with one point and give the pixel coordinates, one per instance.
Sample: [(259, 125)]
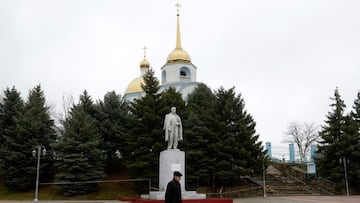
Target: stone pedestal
[(171, 160), (160, 195)]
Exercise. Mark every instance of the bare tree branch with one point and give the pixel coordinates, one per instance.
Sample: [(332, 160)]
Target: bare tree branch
[(302, 135), (311, 135), (67, 103)]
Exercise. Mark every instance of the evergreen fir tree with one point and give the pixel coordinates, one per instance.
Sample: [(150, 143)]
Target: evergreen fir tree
[(79, 157), (34, 127), (331, 134), (238, 149), (354, 173), (227, 147), (339, 138), (88, 105), (113, 114), (200, 137), (11, 109), (145, 139), (355, 113)]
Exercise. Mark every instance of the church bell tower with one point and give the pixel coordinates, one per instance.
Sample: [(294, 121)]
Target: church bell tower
[(178, 67)]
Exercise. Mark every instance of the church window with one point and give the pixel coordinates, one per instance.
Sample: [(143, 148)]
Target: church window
[(163, 76), (184, 72)]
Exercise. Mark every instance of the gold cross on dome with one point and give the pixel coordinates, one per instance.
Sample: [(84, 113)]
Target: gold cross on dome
[(144, 48), (178, 8)]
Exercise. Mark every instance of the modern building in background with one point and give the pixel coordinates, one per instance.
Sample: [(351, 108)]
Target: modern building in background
[(268, 149), (312, 152), (292, 152)]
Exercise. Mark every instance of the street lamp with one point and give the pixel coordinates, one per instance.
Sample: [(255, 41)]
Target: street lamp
[(37, 151), (344, 161), (264, 184)]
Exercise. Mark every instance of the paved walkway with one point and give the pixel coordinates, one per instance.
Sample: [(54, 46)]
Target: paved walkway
[(287, 199), (300, 199), (61, 201)]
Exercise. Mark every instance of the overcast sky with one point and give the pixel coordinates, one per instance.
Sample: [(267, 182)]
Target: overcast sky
[(285, 57)]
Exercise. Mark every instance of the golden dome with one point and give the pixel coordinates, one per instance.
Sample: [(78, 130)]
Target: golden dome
[(144, 63), (135, 85), (178, 55)]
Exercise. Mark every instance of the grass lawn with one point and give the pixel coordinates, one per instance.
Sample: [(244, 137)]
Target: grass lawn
[(107, 191)]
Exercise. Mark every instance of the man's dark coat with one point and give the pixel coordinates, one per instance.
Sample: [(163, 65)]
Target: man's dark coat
[(173, 192)]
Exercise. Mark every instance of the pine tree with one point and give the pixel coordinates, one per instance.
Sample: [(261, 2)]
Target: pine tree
[(79, 157), (145, 137), (10, 110), (113, 113), (200, 136), (354, 173), (331, 134), (34, 127), (355, 113), (227, 147), (339, 138), (238, 149), (87, 104)]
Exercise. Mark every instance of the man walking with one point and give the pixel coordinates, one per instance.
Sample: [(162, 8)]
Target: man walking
[(173, 189)]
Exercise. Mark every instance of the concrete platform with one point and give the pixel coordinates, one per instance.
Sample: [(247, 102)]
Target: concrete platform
[(287, 199), (160, 195), (210, 200)]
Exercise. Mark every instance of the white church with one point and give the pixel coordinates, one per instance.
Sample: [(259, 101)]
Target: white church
[(177, 72)]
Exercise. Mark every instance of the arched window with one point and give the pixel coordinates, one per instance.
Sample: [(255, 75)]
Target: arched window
[(163, 76), (184, 72)]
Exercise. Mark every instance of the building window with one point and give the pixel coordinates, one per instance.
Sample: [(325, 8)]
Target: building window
[(184, 72), (163, 76)]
